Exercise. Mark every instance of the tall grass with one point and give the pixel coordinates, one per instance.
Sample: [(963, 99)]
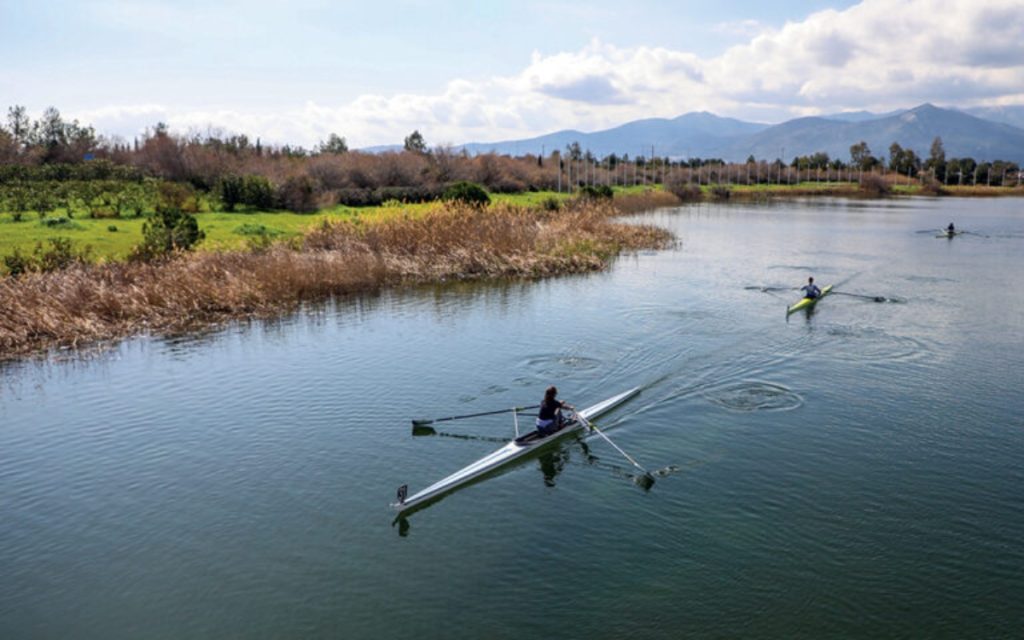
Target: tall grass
[(90, 303)]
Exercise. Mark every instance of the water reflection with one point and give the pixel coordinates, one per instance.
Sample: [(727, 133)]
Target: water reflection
[(551, 464)]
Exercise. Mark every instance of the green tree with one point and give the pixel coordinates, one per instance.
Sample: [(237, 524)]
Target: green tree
[(468, 192), (258, 193), (18, 124), (903, 161), (232, 192), (937, 160), (168, 231), (860, 155), (414, 142), (335, 144), (895, 156)]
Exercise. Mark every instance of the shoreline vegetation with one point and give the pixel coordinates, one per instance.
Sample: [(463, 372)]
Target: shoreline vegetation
[(110, 237), (101, 239), (82, 298), (87, 304)]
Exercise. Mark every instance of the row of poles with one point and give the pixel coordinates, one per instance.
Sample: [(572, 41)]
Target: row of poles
[(584, 172)]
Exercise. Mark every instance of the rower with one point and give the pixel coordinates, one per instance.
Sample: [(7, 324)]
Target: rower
[(950, 229), (810, 289), (549, 418)]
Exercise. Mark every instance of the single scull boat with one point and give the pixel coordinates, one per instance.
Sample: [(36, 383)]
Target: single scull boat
[(807, 303), (516, 449)]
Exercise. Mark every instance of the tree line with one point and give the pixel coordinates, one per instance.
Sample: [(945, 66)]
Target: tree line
[(240, 173)]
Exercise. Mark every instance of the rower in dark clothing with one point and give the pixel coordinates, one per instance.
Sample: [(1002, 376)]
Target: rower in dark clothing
[(950, 230), (810, 289), (549, 418)]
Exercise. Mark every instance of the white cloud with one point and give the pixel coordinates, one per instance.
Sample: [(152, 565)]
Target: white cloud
[(877, 55)]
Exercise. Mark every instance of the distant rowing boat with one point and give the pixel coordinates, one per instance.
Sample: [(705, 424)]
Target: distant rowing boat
[(513, 450), (807, 303)]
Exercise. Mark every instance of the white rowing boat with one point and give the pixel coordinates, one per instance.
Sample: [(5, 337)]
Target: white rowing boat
[(516, 449)]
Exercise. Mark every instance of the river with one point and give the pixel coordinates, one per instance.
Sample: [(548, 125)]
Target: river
[(855, 471)]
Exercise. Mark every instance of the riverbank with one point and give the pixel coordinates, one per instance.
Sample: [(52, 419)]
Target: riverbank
[(112, 239), (93, 303)]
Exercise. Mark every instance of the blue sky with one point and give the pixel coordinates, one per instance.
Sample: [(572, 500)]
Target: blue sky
[(473, 71)]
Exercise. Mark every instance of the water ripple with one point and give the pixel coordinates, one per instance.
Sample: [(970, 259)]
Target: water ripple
[(550, 365), (753, 395), (872, 344)]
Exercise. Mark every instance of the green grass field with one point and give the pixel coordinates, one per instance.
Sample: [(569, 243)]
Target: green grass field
[(223, 230)]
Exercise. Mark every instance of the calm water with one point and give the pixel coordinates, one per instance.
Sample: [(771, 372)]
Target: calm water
[(857, 472)]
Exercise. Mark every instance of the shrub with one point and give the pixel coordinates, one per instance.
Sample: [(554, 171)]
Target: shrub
[(299, 194), (409, 194), (17, 263), (874, 185), (682, 189), (596, 192), (59, 254), (59, 221), (551, 203), (933, 187), (721, 192), (169, 230), (179, 196), (467, 192), (356, 197), (232, 192), (249, 229), (258, 192)]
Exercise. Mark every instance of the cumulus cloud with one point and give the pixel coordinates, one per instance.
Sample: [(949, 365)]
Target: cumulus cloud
[(877, 55)]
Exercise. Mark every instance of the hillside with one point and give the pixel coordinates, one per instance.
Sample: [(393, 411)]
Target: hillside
[(705, 135)]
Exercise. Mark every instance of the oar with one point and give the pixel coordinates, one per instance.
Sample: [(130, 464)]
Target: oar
[(430, 431), (860, 295), (471, 415), (590, 425)]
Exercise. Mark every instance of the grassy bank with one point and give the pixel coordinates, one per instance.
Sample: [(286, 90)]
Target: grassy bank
[(100, 302), (112, 239)]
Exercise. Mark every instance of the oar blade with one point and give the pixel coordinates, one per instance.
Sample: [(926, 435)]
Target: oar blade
[(422, 429), (645, 481)]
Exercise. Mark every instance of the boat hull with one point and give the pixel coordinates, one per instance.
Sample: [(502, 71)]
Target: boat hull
[(507, 454), (807, 303)]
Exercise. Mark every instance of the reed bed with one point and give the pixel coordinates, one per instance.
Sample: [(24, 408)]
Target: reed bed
[(646, 200), (88, 304)]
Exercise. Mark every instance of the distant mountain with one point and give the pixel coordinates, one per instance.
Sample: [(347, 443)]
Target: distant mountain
[(962, 135), (688, 135), (859, 116), (705, 135)]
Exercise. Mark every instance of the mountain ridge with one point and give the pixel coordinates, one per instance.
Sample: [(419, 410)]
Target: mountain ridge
[(983, 133)]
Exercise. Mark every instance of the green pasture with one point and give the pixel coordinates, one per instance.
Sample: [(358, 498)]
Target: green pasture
[(223, 230)]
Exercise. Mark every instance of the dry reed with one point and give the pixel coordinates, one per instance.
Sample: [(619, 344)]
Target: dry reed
[(92, 303)]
